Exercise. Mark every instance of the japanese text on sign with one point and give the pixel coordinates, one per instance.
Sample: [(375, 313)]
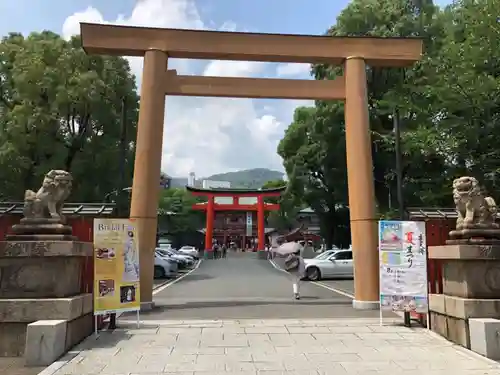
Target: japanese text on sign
[(403, 266)]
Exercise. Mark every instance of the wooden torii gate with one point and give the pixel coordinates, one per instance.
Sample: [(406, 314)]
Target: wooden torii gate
[(354, 53)]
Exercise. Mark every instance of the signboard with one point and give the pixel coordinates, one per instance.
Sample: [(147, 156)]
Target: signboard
[(249, 224), (403, 266), (116, 266)]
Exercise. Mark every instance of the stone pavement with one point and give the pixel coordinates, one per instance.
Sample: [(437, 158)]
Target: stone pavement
[(271, 347)]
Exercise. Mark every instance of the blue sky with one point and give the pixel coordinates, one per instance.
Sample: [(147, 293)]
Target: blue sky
[(204, 135)]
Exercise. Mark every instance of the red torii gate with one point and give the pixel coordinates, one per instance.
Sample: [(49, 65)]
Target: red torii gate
[(235, 194)]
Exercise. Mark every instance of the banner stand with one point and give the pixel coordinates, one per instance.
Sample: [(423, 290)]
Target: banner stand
[(403, 280), (116, 269)]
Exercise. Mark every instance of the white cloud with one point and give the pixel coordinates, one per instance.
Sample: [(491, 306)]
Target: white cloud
[(205, 135), (226, 68), (287, 70)]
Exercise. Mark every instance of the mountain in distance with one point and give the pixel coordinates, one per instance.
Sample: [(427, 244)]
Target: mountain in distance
[(245, 179)]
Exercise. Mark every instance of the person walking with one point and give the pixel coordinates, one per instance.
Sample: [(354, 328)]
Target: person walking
[(216, 251), (224, 250), (295, 266)]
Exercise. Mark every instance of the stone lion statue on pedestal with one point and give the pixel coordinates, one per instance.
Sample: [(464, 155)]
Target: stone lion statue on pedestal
[(48, 201), (473, 208)]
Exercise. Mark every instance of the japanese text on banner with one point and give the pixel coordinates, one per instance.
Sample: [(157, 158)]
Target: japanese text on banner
[(403, 266)]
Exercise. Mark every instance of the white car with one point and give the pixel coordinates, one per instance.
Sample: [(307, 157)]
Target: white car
[(189, 250), (336, 264), (183, 260), (164, 267)]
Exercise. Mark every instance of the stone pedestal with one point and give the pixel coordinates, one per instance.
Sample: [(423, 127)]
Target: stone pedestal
[(471, 289), (40, 281)]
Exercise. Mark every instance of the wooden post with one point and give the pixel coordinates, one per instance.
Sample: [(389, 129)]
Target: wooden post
[(364, 237), (146, 182)]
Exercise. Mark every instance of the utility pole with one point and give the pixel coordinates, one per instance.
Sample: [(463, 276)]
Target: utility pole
[(399, 164), (122, 158), (120, 201)]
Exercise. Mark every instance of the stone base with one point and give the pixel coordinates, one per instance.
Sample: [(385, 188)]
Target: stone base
[(469, 271), (453, 329), (475, 234), (473, 241), (484, 337), (45, 342), (17, 314), (35, 269), (79, 329), (451, 316), (27, 310), (464, 308), (12, 339), (40, 237), (365, 305)]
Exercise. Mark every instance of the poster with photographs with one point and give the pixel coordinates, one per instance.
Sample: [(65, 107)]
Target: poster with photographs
[(116, 266), (403, 266)]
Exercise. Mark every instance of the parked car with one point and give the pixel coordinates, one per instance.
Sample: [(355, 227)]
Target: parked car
[(336, 264), (164, 243), (189, 250), (164, 267), (183, 260), (326, 254)]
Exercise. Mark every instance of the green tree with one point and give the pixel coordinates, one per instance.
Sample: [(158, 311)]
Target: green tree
[(285, 217), (406, 90), (176, 213), (62, 109), (313, 152)]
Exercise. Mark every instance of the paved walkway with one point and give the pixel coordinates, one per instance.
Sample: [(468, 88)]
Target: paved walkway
[(243, 287), (271, 347)]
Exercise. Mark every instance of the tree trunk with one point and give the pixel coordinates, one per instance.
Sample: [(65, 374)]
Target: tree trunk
[(72, 151)]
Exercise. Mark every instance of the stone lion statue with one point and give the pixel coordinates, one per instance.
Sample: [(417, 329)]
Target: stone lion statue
[(48, 201), (473, 208)]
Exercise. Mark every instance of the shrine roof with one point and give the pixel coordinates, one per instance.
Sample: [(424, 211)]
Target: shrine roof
[(431, 213), (84, 209), (235, 191)]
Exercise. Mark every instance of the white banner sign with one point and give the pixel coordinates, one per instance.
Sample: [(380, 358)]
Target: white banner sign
[(403, 266), (249, 224)]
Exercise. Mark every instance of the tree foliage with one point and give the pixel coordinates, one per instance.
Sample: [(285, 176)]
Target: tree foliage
[(285, 217), (176, 215), (62, 109), (448, 105)]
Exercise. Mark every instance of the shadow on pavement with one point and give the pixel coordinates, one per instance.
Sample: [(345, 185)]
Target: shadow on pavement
[(311, 301), (196, 277)]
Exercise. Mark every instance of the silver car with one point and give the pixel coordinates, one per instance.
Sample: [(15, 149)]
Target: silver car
[(164, 267), (336, 264)]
